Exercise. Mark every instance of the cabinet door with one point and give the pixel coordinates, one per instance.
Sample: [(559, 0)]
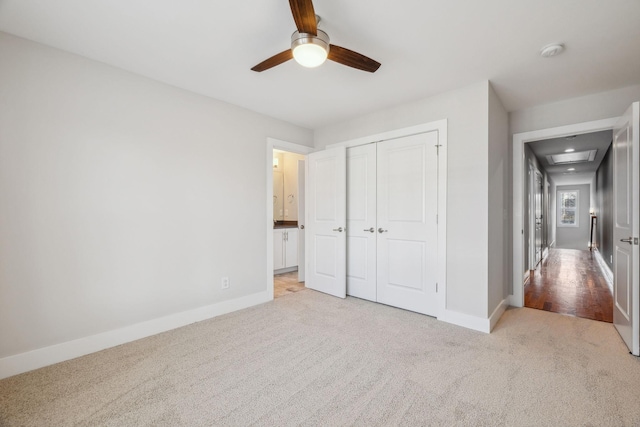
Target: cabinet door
[(291, 248), (278, 249)]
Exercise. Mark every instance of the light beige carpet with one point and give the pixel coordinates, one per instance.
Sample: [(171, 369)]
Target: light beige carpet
[(311, 359)]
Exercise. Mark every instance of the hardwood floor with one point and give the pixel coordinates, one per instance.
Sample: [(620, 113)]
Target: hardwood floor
[(286, 283), (570, 282)]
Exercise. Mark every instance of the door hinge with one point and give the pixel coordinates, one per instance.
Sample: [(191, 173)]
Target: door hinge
[(438, 148), (436, 287), (436, 218)]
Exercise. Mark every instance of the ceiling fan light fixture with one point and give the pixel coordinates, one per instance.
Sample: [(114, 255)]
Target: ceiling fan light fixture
[(308, 50)]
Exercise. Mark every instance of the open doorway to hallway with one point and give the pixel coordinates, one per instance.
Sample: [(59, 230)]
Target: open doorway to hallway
[(568, 225)]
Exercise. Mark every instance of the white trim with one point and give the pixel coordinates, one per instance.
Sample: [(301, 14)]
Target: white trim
[(497, 313), (473, 322), (19, 363), (272, 144), (285, 270), (604, 267), (519, 139), (439, 126), (466, 321), (533, 169), (442, 216)]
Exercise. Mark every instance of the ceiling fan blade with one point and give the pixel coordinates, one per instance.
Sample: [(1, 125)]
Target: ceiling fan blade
[(274, 60), (352, 59), (305, 16)]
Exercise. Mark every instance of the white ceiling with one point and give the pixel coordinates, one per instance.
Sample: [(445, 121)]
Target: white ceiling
[(425, 47)]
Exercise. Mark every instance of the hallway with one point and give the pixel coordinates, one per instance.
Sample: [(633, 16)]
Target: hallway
[(570, 282)]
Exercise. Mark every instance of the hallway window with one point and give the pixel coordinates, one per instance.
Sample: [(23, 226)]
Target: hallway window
[(568, 208)]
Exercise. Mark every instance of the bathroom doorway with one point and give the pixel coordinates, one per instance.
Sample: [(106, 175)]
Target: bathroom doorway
[(285, 211)]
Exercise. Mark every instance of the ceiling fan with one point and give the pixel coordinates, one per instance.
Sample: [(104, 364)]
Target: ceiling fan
[(310, 46)]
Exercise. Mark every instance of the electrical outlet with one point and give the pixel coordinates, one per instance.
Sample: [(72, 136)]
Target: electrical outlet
[(225, 283)]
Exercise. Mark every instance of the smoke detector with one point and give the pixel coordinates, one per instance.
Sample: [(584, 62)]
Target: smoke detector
[(551, 50)]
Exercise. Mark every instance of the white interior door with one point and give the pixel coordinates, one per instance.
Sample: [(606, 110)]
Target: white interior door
[(301, 219), (361, 222), (326, 221), (626, 298), (407, 182)]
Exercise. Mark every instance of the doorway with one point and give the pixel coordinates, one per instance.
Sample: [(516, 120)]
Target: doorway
[(285, 217), (626, 131), (520, 267), (288, 225), (570, 279)]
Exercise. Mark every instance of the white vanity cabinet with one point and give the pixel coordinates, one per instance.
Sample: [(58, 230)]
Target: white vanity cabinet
[(285, 248)]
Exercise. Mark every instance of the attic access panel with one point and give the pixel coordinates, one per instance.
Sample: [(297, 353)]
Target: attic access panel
[(570, 158)]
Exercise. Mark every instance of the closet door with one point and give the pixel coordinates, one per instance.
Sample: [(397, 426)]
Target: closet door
[(361, 222), (407, 180)]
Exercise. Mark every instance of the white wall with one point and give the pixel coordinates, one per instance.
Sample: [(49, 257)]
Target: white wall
[(121, 199), (499, 230), (467, 110), (587, 108)]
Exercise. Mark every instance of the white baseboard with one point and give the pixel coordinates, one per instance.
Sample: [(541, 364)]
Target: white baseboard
[(513, 303), (604, 267), (473, 322), (497, 313), (285, 270), (23, 362), (465, 320)]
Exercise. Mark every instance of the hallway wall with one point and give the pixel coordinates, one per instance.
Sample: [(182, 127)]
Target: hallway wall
[(604, 208)]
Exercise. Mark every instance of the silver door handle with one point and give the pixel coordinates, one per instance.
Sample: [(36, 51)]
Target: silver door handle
[(629, 240), (371, 230), (380, 230), (339, 229)]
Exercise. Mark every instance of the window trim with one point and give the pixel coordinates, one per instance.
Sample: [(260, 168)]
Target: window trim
[(559, 208)]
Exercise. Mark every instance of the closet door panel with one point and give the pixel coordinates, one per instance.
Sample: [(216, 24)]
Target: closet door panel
[(407, 228), (361, 222)]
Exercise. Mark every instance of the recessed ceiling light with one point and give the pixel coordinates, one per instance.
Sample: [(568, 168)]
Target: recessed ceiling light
[(571, 169), (569, 150), (551, 50)]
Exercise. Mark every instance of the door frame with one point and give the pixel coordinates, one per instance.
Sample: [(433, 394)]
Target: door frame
[(533, 172), (516, 299), (277, 144), (439, 126)]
